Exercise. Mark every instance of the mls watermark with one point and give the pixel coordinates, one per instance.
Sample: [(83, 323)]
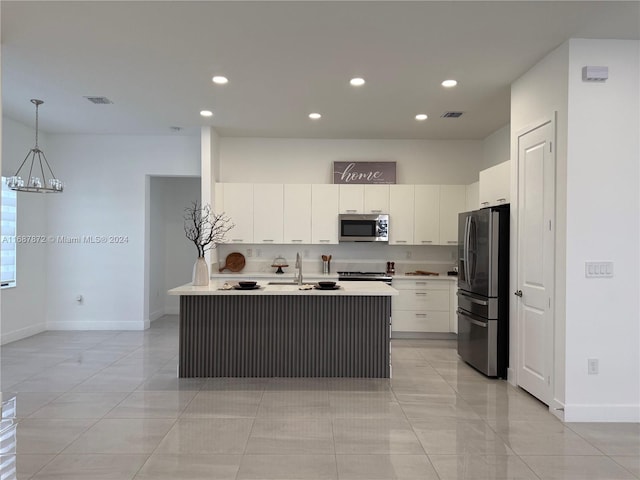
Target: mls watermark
[(66, 239)]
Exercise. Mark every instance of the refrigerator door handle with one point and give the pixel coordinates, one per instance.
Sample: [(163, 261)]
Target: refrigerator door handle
[(465, 255), (471, 320), (477, 323), (472, 299), (468, 236)]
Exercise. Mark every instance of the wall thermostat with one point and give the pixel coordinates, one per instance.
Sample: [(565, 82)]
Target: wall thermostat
[(595, 74)]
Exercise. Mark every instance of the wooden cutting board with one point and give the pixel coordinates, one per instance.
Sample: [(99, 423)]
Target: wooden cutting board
[(234, 262)]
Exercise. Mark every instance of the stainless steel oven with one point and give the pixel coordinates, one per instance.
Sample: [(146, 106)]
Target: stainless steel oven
[(363, 228)]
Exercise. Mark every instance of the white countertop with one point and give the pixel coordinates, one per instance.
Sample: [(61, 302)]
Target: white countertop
[(445, 277), (282, 277), (317, 276), (364, 289)]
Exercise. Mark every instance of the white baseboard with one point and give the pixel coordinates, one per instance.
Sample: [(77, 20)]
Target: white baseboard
[(557, 408), (602, 413), (89, 325), (422, 335), (25, 332), (172, 310)]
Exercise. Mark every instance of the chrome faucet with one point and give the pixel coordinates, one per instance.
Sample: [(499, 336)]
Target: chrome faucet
[(298, 274)]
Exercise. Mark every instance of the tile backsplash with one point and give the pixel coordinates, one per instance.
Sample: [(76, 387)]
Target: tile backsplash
[(345, 257)]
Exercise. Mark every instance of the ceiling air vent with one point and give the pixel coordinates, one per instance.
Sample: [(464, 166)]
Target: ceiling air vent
[(451, 114), (99, 100)]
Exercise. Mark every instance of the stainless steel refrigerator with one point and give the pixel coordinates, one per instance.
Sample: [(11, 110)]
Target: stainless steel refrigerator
[(483, 289)]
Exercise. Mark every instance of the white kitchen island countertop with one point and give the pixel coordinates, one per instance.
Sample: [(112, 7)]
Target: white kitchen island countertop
[(362, 289)]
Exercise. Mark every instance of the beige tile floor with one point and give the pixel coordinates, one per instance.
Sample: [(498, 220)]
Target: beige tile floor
[(108, 405)]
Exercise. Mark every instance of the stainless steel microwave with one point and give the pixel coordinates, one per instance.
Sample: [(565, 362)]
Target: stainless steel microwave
[(364, 228)]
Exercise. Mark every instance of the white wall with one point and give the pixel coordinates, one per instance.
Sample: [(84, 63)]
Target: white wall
[(180, 254), (157, 248), (603, 224), (107, 193), (496, 147), (276, 160), (597, 144), (23, 307), (534, 98)]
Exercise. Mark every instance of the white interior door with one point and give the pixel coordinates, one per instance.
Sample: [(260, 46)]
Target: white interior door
[(536, 206)]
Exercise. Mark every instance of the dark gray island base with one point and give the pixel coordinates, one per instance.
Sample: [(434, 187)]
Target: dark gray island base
[(284, 335)]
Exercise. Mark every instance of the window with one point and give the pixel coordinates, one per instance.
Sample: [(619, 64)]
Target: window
[(8, 233)]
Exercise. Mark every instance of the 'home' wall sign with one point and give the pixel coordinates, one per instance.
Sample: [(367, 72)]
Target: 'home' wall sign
[(364, 172)]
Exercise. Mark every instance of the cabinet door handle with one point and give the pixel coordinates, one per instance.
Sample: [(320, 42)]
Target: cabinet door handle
[(296, 240), (423, 315), (484, 203), (426, 241), (501, 200), (421, 283), (351, 211), (401, 241), (268, 240), (376, 211), (237, 240), (324, 241), (421, 293), (452, 241)]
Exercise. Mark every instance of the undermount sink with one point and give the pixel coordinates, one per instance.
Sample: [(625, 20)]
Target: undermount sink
[(282, 283)]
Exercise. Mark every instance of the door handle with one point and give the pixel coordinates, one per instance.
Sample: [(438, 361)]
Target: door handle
[(518, 293)]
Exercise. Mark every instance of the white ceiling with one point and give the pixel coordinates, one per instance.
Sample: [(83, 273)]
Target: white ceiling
[(284, 60)]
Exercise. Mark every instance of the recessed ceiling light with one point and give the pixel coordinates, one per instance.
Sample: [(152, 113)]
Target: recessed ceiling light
[(315, 116), (220, 80), (449, 83), (206, 113), (421, 117), (357, 82)]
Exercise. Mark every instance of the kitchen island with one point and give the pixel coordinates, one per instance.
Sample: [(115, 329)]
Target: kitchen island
[(282, 331)]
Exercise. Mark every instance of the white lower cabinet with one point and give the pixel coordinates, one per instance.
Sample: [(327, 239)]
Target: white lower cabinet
[(419, 321), (422, 306)]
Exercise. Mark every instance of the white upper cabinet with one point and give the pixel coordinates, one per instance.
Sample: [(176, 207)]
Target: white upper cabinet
[(376, 199), (453, 199), (324, 213), (351, 198), (297, 213), (268, 220), (401, 209), (427, 215), (472, 194), (237, 204), (495, 185)]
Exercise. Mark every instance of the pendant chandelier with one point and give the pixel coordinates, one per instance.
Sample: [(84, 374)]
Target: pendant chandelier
[(40, 178)]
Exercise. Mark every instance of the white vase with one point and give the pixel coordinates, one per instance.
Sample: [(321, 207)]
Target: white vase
[(200, 273)]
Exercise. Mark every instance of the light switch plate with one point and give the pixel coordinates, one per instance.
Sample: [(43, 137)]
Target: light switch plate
[(598, 269)]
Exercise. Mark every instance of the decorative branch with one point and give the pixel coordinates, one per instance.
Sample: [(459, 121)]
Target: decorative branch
[(205, 229)]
